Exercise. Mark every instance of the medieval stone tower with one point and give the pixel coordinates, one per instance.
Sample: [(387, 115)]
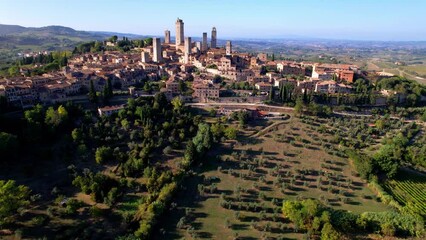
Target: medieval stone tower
[(214, 40), (179, 32)]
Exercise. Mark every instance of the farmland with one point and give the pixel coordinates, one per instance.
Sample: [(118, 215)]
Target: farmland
[(240, 190), (408, 189)]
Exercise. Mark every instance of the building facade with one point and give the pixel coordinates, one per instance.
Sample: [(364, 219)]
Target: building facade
[(187, 49), (228, 48), (204, 43), (179, 32), (157, 51), (214, 38), (167, 37)]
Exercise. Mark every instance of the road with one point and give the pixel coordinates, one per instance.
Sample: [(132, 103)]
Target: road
[(288, 109), (241, 105)]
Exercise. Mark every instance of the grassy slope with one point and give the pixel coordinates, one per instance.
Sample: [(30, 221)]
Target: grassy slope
[(210, 217)]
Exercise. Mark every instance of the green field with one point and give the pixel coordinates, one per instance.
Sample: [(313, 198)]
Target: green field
[(240, 190), (408, 189), (418, 69)]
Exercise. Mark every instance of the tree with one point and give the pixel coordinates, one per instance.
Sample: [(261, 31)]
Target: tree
[(177, 104), (329, 233), (189, 155), (298, 108), (212, 112), (363, 164), (242, 117), (387, 160), (147, 87), (230, 133), (92, 93), (217, 79), (113, 39), (77, 135), (388, 229), (148, 41), (34, 115), (8, 144), (13, 71), (108, 91), (12, 198), (54, 118), (380, 124), (182, 86), (271, 94), (263, 70), (203, 140), (217, 130), (423, 117), (103, 154)]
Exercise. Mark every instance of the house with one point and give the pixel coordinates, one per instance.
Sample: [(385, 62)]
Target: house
[(150, 68), (205, 91), (332, 87), (288, 68), (281, 81), (346, 75), (322, 73), (263, 86), (109, 110), (172, 85), (308, 85)]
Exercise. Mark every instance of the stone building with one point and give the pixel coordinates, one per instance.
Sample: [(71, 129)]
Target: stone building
[(187, 49), (204, 92), (179, 32), (263, 57), (204, 43), (145, 57), (167, 37), (214, 38), (157, 51), (228, 48)]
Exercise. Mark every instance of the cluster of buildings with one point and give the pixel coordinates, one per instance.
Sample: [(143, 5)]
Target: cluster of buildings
[(179, 61), (123, 70)]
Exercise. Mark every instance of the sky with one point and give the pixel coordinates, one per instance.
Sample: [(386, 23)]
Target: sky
[(389, 20)]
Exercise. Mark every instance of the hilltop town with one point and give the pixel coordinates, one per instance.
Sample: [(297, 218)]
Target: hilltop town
[(196, 71), (157, 138)]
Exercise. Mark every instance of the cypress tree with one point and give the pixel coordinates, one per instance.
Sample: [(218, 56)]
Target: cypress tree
[(271, 94), (110, 92), (92, 93), (305, 96)]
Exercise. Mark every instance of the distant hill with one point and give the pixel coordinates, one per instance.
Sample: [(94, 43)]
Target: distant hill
[(10, 29), (47, 38), (15, 40)]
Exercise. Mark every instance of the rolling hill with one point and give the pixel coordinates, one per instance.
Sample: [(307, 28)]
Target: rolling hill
[(15, 40)]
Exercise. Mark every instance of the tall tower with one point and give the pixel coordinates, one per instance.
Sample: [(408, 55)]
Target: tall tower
[(228, 48), (179, 32), (156, 48), (214, 40), (187, 49), (167, 37), (204, 43), (144, 57)]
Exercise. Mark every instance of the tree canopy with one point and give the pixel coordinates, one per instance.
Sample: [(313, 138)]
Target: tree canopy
[(12, 198)]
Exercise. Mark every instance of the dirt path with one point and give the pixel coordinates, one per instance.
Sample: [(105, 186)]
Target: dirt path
[(268, 128)]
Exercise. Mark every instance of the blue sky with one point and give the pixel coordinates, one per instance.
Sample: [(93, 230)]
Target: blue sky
[(335, 19)]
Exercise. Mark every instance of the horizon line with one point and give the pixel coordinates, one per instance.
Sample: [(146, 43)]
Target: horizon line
[(290, 37)]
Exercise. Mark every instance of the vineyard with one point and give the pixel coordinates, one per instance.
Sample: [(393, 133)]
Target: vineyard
[(408, 189)]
